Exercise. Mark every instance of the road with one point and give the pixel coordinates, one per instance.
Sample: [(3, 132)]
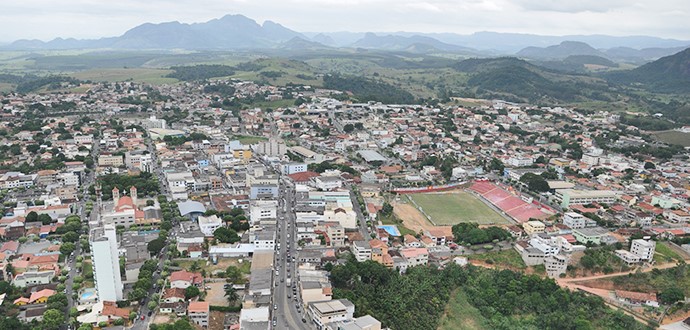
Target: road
[(71, 261), (363, 228), (162, 256), (287, 315)]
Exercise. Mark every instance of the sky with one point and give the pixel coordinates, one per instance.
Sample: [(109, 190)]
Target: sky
[(48, 19)]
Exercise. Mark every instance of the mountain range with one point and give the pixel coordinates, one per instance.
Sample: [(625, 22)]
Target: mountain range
[(237, 32)]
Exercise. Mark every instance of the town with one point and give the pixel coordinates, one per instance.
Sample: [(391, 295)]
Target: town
[(228, 204)]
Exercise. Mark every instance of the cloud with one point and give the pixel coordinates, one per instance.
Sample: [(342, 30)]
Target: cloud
[(47, 19)]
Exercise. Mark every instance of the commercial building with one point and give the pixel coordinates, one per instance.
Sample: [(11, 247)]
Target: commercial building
[(209, 224), (590, 235), (574, 220), (534, 227), (106, 263)]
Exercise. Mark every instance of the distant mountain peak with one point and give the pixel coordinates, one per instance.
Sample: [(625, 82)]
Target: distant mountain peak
[(561, 51)]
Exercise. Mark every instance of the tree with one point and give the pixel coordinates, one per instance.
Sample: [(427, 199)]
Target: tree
[(191, 292), (671, 295), (53, 319), (156, 245), (231, 294), (152, 304), (226, 235), (70, 237), (31, 217), (67, 248), (387, 209), (45, 219), (348, 128), (233, 274), (649, 166)]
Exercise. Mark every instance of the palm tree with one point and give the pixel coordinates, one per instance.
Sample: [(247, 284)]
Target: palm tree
[(231, 294)]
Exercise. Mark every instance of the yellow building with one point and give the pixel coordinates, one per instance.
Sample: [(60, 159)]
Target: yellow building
[(534, 227)]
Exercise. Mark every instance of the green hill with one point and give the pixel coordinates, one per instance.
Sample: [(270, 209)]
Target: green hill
[(670, 74)]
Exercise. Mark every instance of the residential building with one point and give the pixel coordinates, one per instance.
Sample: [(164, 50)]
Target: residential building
[(628, 257), (361, 250), (209, 224), (590, 235), (262, 210), (322, 313), (415, 256), (644, 249), (106, 263), (574, 220), (292, 168), (110, 160), (556, 265), (198, 312), (183, 279), (533, 227)]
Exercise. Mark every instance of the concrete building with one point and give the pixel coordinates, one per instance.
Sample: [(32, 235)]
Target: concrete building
[(534, 227), (361, 250), (262, 210), (322, 313), (198, 312), (567, 197), (292, 168), (110, 160), (106, 263), (209, 224), (556, 265), (644, 249), (574, 220), (590, 235)]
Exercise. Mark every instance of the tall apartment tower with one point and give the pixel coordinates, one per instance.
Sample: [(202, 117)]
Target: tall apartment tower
[(106, 265)]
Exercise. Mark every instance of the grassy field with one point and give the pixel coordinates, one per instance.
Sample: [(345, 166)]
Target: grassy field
[(506, 258), (460, 315), (393, 220), (247, 139), (674, 137), (664, 253), (151, 76), (457, 207)]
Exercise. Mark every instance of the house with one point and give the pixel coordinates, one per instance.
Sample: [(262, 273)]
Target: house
[(103, 311), (415, 256), (178, 308), (198, 312), (33, 277), (327, 183), (31, 314), (574, 220), (677, 216), (411, 241), (183, 279), (173, 295), (366, 322), (637, 298)]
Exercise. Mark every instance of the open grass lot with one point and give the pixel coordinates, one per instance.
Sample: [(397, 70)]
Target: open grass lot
[(664, 253), (456, 207), (248, 139), (151, 76), (674, 137), (210, 268), (506, 258), (460, 315)]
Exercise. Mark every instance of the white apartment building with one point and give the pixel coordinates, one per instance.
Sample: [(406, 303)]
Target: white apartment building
[(556, 265), (325, 312), (293, 168), (361, 250), (262, 210), (106, 263), (209, 224), (574, 220), (643, 248)]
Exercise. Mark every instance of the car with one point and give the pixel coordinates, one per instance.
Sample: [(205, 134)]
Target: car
[(150, 312), (275, 323), (275, 306), (276, 283), (289, 295), (282, 280), (304, 320), (143, 317)]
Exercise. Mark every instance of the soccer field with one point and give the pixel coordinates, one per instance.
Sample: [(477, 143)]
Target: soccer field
[(453, 208)]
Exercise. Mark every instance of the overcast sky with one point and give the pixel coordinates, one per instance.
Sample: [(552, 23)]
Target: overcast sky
[(48, 19)]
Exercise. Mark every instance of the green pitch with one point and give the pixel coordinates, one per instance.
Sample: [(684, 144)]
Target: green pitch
[(453, 208)]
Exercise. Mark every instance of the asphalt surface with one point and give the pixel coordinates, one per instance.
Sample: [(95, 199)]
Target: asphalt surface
[(287, 315)]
